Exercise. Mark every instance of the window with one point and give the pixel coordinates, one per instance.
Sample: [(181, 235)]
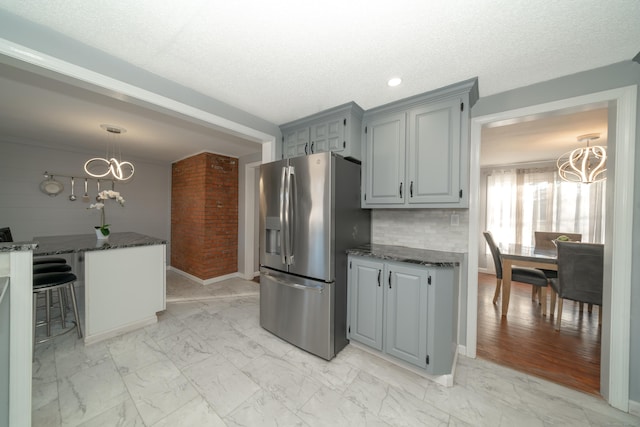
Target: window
[(523, 200)]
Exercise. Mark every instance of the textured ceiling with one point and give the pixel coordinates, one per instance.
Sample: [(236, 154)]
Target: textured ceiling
[(282, 60)]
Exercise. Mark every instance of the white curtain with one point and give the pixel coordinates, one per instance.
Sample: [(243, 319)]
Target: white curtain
[(521, 201)]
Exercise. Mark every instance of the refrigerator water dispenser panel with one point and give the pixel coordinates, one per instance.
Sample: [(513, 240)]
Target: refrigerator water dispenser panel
[(272, 235)]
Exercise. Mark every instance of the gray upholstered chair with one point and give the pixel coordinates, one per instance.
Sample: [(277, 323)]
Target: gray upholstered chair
[(544, 241), (532, 276), (580, 275)]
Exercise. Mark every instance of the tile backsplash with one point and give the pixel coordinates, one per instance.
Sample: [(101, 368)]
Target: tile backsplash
[(421, 228)]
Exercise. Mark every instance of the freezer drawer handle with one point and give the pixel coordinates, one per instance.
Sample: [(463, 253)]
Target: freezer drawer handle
[(389, 280), (317, 288), (379, 273)]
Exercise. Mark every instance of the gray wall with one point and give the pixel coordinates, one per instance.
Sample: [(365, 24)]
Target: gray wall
[(610, 77), (30, 213)]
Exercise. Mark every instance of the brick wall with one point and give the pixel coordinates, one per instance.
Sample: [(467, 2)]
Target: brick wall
[(204, 215)]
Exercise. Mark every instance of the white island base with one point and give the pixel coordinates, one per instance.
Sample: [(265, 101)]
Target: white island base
[(124, 289)]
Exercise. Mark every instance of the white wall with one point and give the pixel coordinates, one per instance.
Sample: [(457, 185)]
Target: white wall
[(31, 213), (242, 211)]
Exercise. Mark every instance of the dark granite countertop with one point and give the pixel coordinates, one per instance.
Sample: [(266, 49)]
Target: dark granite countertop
[(409, 255), (52, 245), (17, 246)]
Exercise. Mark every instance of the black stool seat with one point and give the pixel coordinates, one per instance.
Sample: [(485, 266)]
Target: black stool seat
[(52, 279), (51, 268), (49, 260)]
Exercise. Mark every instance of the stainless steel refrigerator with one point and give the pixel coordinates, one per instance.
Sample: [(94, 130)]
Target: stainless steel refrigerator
[(309, 216)]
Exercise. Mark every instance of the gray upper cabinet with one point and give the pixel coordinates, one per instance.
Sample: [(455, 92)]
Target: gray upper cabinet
[(384, 157), (296, 143), (433, 161), (337, 129), (416, 150)]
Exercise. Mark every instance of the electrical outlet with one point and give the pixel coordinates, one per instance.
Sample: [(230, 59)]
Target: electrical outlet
[(455, 219)]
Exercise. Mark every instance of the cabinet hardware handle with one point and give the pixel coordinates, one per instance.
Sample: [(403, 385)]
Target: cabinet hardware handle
[(312, 147), (401, 190), (306, 145), (389, 280), (411, 189), (379, 272)]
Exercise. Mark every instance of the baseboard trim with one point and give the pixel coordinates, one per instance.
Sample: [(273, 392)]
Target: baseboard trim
[(634, 408), (462, 350), (205, 282), (445, 380), (121, 330)]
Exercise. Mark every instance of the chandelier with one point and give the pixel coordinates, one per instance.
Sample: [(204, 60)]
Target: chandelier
[(585, 165), (99, 167)]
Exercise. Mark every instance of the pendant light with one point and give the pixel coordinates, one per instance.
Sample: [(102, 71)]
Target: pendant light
[(585, 165), (110, 167)]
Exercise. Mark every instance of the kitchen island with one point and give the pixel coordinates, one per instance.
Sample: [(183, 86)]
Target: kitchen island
[(124, 279)]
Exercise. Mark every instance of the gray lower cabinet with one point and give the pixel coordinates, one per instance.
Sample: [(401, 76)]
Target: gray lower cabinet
[(406, 313), (404, 310), (366, 295)]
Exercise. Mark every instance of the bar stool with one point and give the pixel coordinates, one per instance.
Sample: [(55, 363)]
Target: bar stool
[(51, 268), (45, 283), (49, 260)]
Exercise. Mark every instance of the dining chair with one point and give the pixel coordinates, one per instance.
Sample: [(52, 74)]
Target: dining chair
[(543, 240), (580, 275), (5, 235), (532, 276)]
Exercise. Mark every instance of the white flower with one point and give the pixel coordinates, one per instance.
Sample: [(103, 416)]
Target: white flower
[(110, 194), (104, 195)]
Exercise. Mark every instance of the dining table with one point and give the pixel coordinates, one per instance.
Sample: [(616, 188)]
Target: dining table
[(524, 256)]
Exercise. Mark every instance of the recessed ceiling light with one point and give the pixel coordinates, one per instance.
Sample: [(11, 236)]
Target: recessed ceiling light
[(393, 82)]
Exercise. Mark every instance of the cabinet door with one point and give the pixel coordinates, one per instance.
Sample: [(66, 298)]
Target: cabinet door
[(296, 143), (365, 299), (434, 153), (406, 313), (328, 136), (385, 160)]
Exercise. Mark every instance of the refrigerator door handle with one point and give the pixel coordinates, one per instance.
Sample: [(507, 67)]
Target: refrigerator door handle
[(291, 208), (283, 219)]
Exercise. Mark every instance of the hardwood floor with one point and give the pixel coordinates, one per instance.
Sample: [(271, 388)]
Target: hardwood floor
[(528, 342)]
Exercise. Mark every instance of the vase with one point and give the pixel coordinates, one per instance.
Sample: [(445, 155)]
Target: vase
[(101, 236)]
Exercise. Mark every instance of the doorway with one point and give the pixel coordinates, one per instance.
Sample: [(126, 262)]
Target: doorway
[(616, 325), (521, 192)]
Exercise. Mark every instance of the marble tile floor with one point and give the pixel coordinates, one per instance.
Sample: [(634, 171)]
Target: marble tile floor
[(181, 288), (209, 363)]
